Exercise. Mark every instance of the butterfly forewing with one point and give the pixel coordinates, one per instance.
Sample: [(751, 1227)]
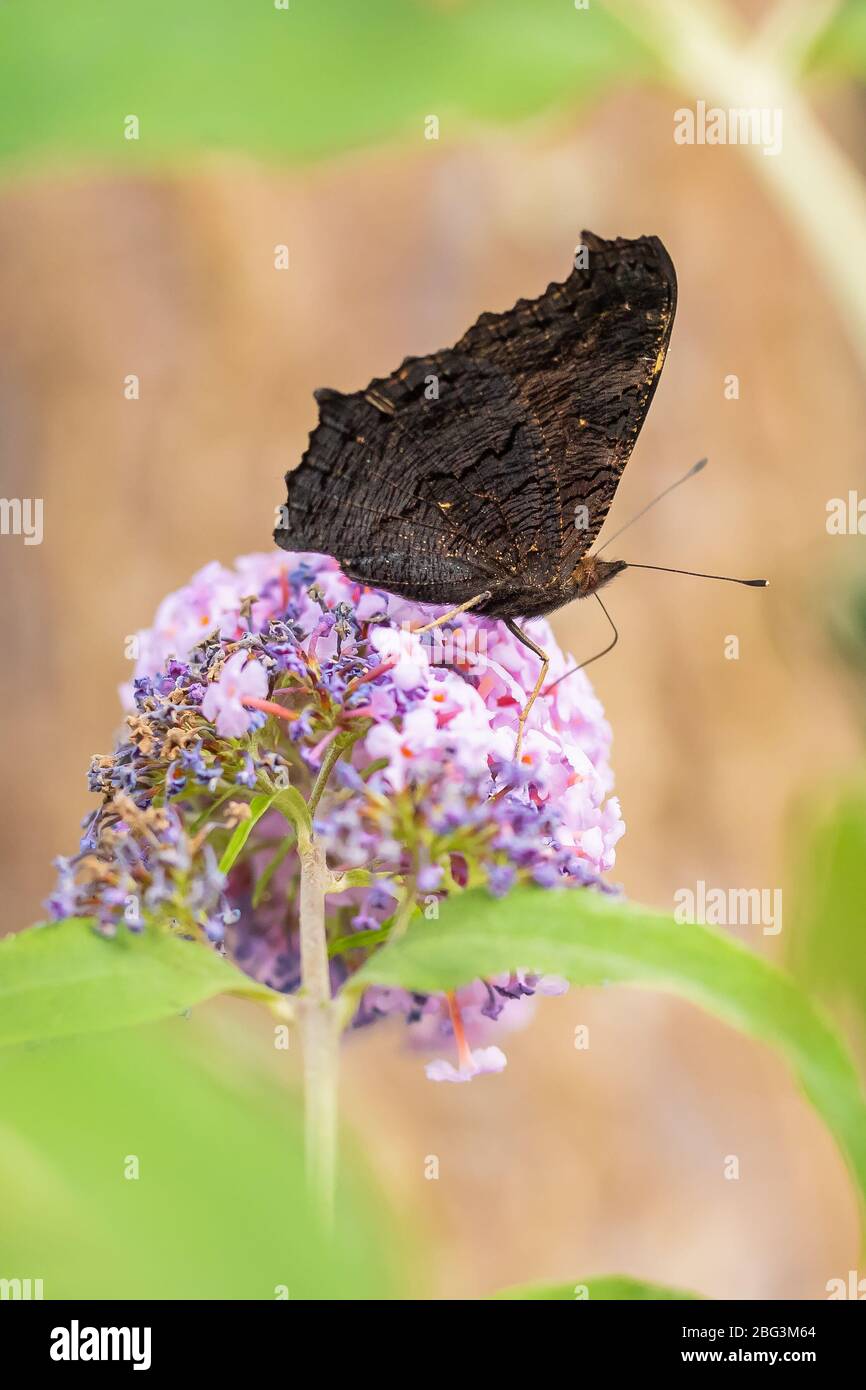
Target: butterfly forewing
[(492, 465)]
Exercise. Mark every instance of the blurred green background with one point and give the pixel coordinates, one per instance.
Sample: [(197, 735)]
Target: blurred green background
[(167, 1162), (305, 126)]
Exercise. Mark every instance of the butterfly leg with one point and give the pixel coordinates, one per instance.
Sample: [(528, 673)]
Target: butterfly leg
[(542, 677), (590, 659), (452, 612)]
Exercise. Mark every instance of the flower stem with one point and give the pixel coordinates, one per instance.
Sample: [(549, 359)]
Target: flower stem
[(319, 1015), (818, 185), (334, 751), (319, 1031)]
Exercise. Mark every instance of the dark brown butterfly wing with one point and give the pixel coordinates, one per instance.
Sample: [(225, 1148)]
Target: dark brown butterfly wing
[(375, 486), (463, 470)]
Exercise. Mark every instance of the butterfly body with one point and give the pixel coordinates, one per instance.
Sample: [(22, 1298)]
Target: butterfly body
[(514, 600), (488, 469)]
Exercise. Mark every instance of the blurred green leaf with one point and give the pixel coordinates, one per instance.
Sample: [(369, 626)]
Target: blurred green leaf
[(241, 832), (356, 941), (64, 978), (218, 1209), (827, 926), (610, 1287), (263, 881), (846, 619), (320, 77), (592, 939), (841, 47)]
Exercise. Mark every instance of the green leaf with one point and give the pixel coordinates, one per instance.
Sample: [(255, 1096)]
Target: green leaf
[(263, 881), (167, 1162), (351, 878), (609, 1287), (841, 47), (359, 940), (827, 945), (592, 939), (241, 833), (296, 810), (64, 978), (309, 81)]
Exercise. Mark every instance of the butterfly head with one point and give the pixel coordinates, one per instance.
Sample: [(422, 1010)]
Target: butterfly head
[(591, 573)]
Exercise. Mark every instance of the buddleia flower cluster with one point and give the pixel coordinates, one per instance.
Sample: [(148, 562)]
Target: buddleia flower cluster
[(249, 684)]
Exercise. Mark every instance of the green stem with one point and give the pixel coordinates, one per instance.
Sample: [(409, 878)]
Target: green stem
[(318, 1014), (335, 750), (707, 51), (320, 1036)]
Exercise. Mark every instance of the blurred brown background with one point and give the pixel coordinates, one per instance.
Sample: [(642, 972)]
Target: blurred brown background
[(573, 1162)]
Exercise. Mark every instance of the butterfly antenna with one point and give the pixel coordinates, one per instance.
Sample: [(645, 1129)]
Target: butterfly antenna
[(609, 648), (695, 468), (697, 574)]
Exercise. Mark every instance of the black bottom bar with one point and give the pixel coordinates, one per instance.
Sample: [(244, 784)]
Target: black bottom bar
[(83, 1339)]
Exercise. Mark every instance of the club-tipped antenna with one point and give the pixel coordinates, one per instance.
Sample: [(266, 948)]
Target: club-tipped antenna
[(695, 468), (698, 574)]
